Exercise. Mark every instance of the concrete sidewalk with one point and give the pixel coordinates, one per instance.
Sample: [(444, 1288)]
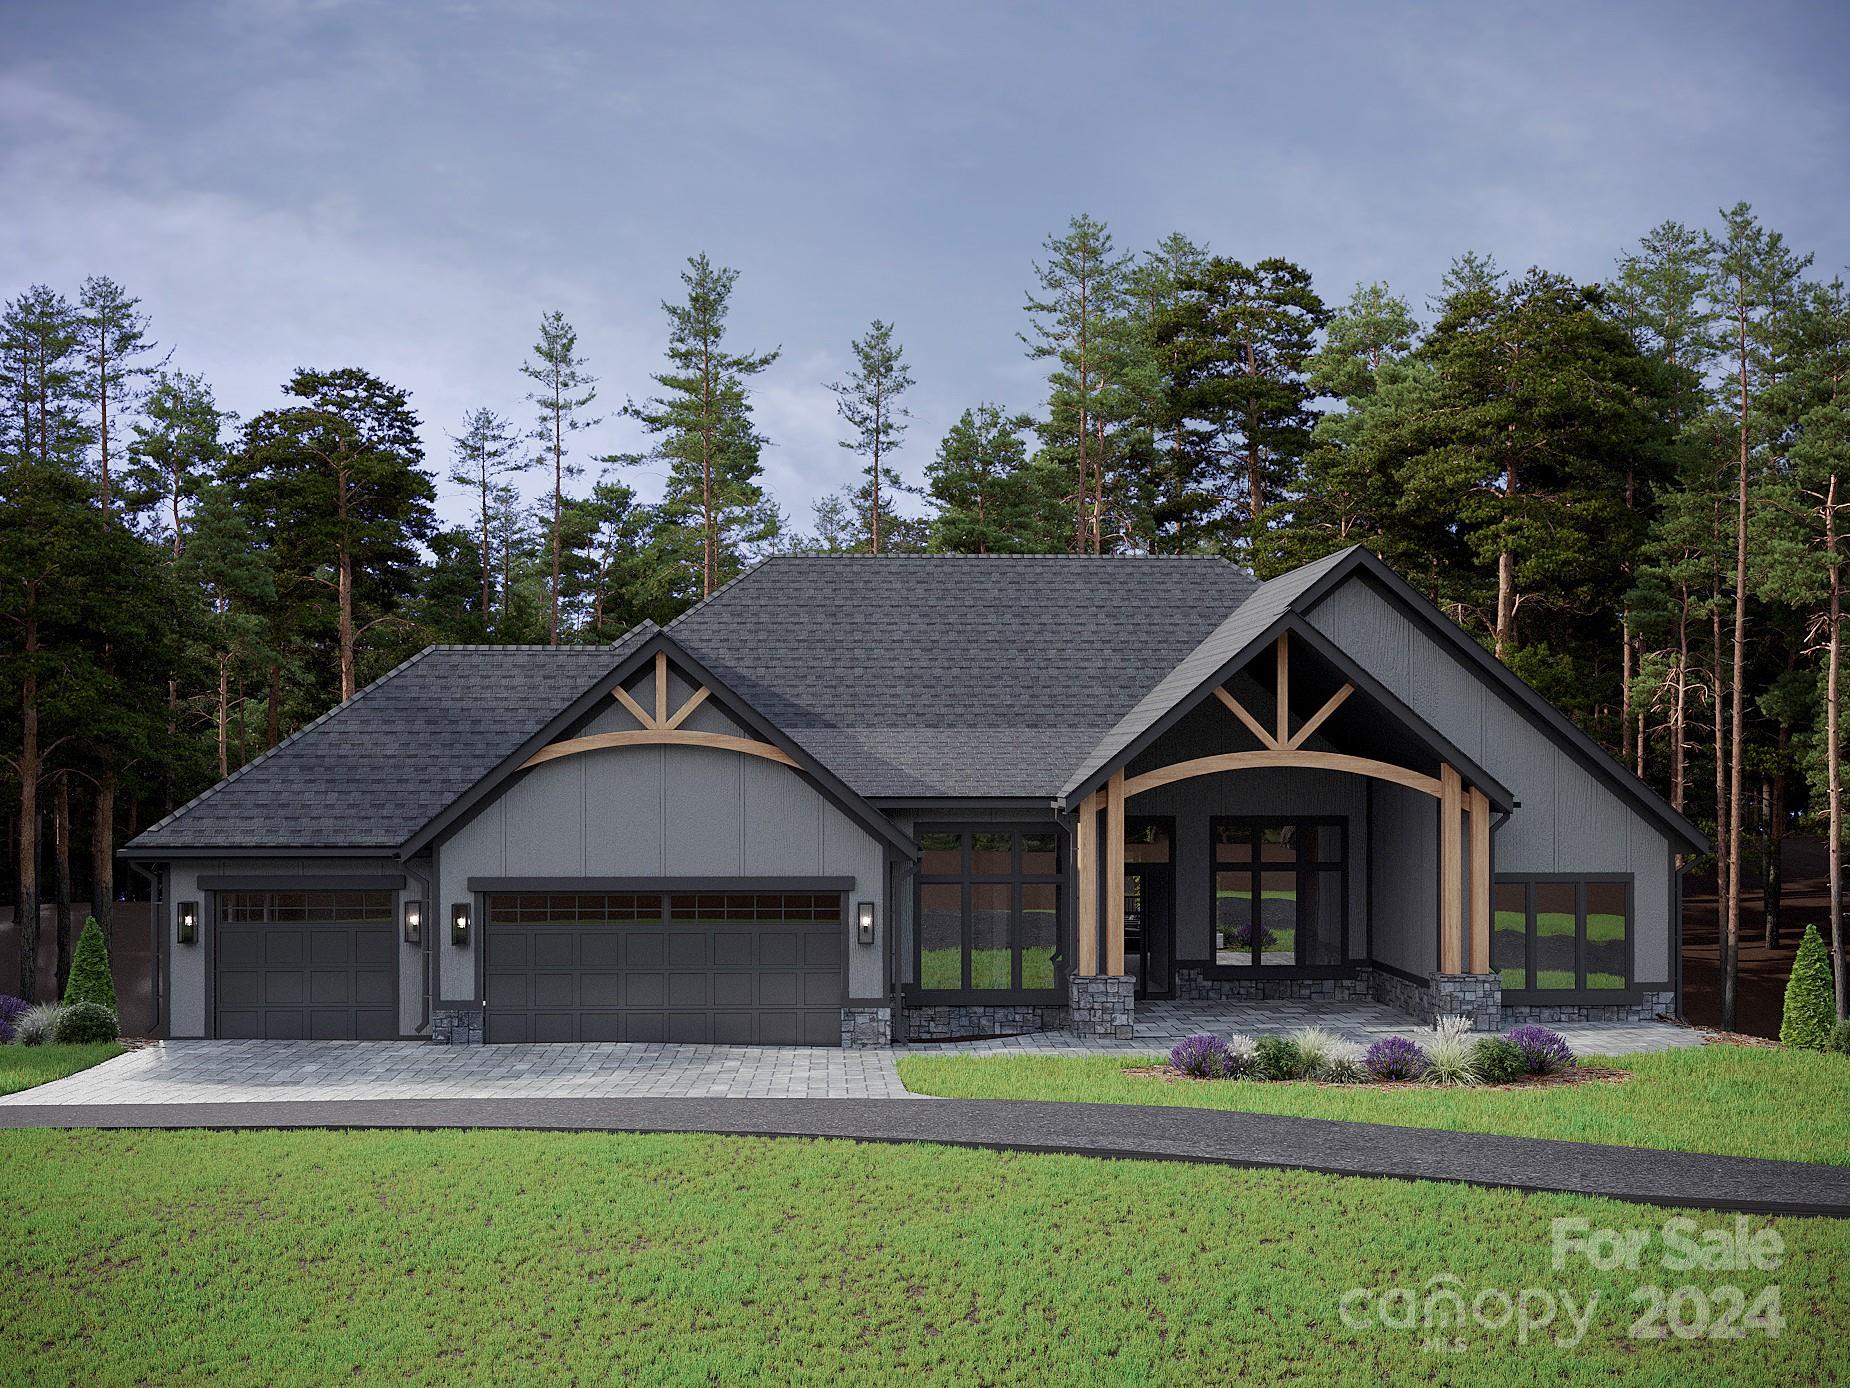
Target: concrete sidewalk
[(1101, 1130)]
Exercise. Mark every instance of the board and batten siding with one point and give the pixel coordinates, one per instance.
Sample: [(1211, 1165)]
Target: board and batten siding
[(1568, 820), (189, 967), (660, 812)]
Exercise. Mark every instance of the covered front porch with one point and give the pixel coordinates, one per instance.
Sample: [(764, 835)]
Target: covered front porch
[(1285, 835)]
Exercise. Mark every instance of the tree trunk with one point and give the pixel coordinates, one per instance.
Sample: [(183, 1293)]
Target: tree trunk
[(558, 505), (1771, 890), (224, 714), (1679, 712), (273, 721), (1625, 684), (61, 879), (103, 849), (27, 911), (1718, 695), (1832, 749), (1737, 706), (487, 570)]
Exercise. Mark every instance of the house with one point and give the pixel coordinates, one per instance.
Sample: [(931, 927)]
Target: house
[(851, 800)]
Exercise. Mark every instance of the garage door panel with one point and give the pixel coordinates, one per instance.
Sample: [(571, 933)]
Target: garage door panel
[(728, 969), (295, 965)]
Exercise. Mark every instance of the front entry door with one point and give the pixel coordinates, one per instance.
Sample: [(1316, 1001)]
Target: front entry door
[(1149, 927)]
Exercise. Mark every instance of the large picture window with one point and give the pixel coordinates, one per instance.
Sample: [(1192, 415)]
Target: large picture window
[(988, 918), (1281, 892), (1562, 934)]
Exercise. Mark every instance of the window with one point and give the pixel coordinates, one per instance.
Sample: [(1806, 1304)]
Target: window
[(988, 918), (339, 907), (1281, 892), (1562, 934)]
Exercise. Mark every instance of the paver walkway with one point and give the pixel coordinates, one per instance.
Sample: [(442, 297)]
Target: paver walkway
[(1109, 1130)]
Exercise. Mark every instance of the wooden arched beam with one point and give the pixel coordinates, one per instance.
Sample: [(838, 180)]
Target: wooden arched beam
[(1315, 761), (660, 737)]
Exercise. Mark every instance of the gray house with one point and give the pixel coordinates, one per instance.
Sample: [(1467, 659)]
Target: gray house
[(849, 800)]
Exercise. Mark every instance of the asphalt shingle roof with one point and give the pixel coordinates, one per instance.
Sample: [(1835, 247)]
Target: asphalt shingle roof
[(371, 772), (956, 676)]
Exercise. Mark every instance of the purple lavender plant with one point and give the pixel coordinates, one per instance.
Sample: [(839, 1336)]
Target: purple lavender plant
[(1243, 936), (1543, 1051), (10, 1008), (1395, 1058), (1204, 1056)]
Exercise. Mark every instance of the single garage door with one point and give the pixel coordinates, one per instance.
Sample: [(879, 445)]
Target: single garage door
[(726, 968), (321, 966)]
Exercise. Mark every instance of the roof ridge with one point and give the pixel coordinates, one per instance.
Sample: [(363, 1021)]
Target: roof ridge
[(1014, 558), (293, 737), (732, 582)]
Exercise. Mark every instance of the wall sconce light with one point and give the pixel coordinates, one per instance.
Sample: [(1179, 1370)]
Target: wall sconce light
[(414, 922), (188, 932), (459, 923), (864, 922)]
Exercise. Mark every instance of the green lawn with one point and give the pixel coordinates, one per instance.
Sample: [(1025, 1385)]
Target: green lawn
[(1733, 1100), (534, 1258), (21, 1067)]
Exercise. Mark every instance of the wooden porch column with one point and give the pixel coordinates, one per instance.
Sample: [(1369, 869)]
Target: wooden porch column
[(1451, 871), (1479, 807), (1085, 867), (1114, 874)]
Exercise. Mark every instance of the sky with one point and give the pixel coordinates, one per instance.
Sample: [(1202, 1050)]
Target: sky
[(408, 186)]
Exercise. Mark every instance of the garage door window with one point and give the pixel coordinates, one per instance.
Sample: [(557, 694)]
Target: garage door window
[(252, 908), (988, 912)]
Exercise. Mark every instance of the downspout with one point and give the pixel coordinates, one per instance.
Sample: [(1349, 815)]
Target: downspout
[(431, 916), (158, 923)]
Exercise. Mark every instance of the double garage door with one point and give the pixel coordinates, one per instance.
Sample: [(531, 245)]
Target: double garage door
[(298, 966), (725, 968)]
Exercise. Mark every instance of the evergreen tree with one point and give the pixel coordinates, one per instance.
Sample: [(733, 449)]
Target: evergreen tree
[(991, 498), (341, 480), (1081, 285), (41, 380), (113, 332), (176, 453), (90, 979), (869, 400), (702, 422), (231, 571), (486, 451), (564, 390), (1810, 1011)]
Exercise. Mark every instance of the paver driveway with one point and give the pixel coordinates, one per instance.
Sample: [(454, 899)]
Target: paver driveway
[(194, 1072)]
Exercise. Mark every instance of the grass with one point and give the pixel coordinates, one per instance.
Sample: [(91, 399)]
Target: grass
[(458, 1258), (1731, 1100), (22, 1067)]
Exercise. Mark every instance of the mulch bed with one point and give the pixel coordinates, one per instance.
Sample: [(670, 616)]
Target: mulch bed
[(1579, 1074)]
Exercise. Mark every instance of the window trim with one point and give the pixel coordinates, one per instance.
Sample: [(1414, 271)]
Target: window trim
[(1211, 967), (917, 995), (1580, 993)]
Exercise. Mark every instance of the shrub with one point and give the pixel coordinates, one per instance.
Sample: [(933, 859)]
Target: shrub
[(36, 1024), (10, 1008), (90, 980), (1344, 1064), (1241, 1049), (1278, 1058), (1242, 935), (84, 1023), (1840, 1038), (1395, 1058), (1316, 1046), (1543, 1051), (1811, 1003), (1204, 1056), (1499, 1060)]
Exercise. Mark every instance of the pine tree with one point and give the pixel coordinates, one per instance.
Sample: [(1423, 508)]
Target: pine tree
[(486, 451), (869, 400), (1081, 285), (565, 390), (231, 571), (705, 434), (176, 452), (113, 332), (990, 497), (1811, 1010), (41, 417)]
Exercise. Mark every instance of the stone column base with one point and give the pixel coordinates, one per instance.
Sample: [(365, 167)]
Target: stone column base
[(458, 1027), (866, 1026), (1103, 1005), (1477, 996)]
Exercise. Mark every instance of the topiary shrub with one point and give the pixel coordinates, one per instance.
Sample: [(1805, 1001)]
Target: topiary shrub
[(1395, 1058), (1840, 1038), (36, 1024), (1204, 1056), (10, 1010), (1544, 1051), (90, 980), (1278, 1058), (1499, 1060), (1811, 1002), (84, 1024)]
